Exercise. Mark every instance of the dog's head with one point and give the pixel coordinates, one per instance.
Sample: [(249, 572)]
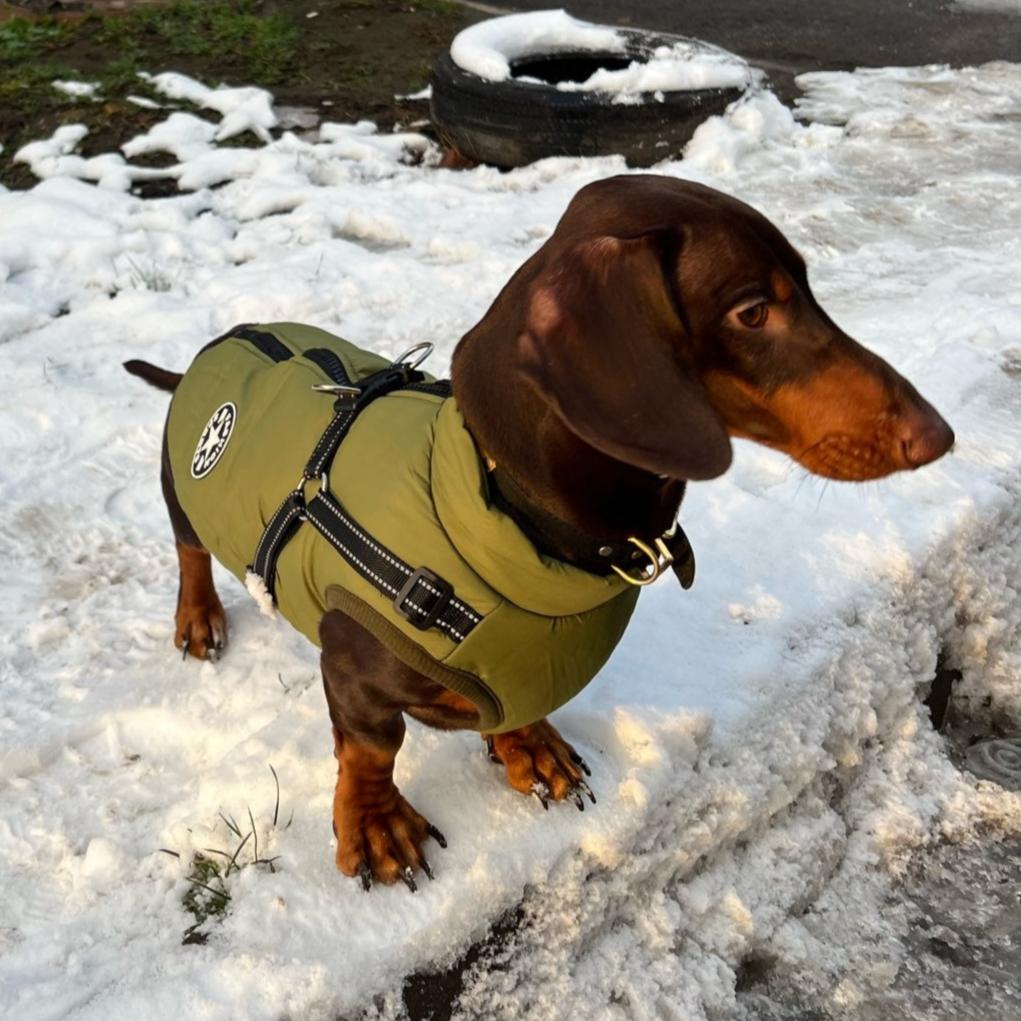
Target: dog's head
[(662, 318)]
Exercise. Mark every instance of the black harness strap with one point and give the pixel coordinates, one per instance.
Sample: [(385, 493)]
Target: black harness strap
[(265, 342), (420, 596), (279, 531)]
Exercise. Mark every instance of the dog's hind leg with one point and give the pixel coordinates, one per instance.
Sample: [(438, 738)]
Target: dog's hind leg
[(380, 836), (201, 624)]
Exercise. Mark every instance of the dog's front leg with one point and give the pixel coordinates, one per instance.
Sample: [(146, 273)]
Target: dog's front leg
[(540, 762), (379, 835)]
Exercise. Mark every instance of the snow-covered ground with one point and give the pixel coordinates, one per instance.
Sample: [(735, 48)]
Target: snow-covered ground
[(755, 742)]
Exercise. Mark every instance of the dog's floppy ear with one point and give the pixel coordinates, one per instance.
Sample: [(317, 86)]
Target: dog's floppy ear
[(605, 346)]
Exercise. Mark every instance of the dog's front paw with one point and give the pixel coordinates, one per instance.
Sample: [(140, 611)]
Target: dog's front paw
[(382, 842), (201, 628), (540, 762)]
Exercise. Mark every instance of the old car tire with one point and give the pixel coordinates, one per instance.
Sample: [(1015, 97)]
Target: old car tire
[(513, 122)]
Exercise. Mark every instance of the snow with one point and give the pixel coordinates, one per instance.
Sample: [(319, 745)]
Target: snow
[(244, 109), (997, 6), (489, 48), (758, 747), (78, 90), (681, 66), (191, 140)]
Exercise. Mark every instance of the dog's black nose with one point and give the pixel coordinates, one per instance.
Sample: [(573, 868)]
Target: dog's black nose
[(926, 440)]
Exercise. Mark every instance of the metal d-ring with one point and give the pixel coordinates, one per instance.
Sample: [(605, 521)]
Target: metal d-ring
[(425, 347), (337, 389), (658, 560)]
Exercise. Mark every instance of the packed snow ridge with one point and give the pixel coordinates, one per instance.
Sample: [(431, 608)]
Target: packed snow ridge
[(758, 745), (490, 48)]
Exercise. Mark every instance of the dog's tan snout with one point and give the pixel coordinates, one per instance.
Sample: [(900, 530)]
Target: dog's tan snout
[(924, 437)]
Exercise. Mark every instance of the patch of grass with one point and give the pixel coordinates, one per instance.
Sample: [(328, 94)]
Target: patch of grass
[(149, 277), (260, 46), (230, 37), (208, 897), (444, 7), (21, 39), (352, 60)]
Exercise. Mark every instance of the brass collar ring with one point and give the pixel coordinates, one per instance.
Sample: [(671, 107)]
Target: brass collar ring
[(659, 556)]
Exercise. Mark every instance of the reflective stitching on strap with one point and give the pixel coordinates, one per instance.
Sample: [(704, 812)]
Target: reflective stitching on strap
[(332, 507), (323, 449), (280, 527)]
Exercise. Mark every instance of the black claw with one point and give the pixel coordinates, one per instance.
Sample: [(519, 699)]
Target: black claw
[(579, 761), (492, 752), (334, 825), (576, 798), (408, 879), (365, 874), (581, 785), (184, 649), (212, 654), (541, 791), (425, 867), (436, 835)]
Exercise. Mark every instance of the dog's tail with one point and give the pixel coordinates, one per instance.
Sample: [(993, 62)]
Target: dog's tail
[(162, 379)]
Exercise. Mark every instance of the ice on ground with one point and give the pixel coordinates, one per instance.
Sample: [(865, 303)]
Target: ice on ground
[(489, 48), (757, 744)]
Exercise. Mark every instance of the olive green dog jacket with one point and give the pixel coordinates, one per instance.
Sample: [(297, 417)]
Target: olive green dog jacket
[(242, 425)]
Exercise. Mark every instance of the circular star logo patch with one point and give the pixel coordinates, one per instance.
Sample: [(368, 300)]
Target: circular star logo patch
[(213, 440)]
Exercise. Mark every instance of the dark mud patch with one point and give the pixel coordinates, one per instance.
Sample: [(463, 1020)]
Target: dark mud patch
[(434, 996)]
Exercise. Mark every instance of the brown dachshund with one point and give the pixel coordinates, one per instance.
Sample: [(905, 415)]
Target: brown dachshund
[(661, 319)]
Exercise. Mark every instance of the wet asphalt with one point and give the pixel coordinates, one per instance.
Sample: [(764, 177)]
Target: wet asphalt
[(789, 37)]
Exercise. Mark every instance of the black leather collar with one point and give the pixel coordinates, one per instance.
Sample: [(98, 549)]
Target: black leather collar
[(562, 541)]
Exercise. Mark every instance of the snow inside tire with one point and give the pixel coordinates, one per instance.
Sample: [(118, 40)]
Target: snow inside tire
[(513, 122)]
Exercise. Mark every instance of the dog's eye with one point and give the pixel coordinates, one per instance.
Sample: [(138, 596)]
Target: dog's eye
[(754, 316)]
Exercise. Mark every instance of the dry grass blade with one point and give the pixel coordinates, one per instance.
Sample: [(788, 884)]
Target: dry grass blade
[(276, 806), (231, 824), (215, 893), (233, 860), (254, 834)]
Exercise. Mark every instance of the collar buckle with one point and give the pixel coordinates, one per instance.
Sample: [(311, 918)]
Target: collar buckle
[(671, 549), (659, 558)]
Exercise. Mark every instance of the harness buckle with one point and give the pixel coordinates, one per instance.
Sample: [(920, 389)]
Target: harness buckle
[(402, 361), (423, 617), (338, 389)]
